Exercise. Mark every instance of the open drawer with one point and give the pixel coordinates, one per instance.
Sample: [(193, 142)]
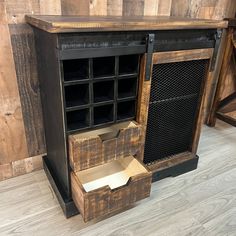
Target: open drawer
[(110, 187), (93, 148)]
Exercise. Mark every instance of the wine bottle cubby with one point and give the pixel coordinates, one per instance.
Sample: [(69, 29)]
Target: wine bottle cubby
[(100, 90), (78, 119), (126, 109), (77, 69), (103, 67), (76, 95), (103, 91), (127, 87), (128, 64)]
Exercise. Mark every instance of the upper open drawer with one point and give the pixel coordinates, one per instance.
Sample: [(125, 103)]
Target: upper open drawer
[(110, 187), (92, 148)]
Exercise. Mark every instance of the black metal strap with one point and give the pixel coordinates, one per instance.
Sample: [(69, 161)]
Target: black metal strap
[(100, 52), (150, 46), (218, 37)]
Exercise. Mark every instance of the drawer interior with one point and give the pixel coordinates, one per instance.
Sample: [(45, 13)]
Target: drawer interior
[(113, 174), (110, 187)]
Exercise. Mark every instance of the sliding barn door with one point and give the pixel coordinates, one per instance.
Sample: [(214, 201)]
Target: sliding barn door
[(175, 103)]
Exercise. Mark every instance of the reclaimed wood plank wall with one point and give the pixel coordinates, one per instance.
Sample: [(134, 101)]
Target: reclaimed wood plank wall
[(22, 134)]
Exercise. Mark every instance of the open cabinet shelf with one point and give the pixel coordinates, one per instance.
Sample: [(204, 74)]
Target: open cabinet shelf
[(103, 91), (77, 69), (128, 64), (76, 95), (127, 87), (103, 67), (126, 109), (103, 114), (78, 119)]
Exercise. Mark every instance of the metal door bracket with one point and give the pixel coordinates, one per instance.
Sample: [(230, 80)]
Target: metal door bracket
[(218, 36), (150, 47)]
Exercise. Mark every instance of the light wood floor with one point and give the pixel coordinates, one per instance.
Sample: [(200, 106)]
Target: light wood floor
[(202, 202)]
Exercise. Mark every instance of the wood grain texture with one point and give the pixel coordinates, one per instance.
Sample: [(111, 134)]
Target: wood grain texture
[(144, 93), (12, 138), (183, 55), (98, 7), (172, 161), (143, 103), (75, 7), (104, 200), (20, 167), (215, 75), (22, 39), (157, 7), (52, 7), (232, 114), (133, 7), (201, 202), (227, 117), (151, 7), (164, 7), (223, 72), (208, 9), (201, 109), (14, 12), (114, 7), (230, 80), (91, 149), (3, 12), (56, 24), (224, 100), (229, 107)]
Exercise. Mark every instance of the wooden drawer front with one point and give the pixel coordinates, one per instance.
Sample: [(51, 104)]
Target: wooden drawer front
[(110, 187), (99, 146)]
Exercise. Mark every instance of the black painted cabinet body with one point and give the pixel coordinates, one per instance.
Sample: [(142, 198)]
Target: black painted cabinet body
[(109, 81)]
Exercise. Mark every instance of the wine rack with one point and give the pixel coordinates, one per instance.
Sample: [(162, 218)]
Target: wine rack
[(100, 90)]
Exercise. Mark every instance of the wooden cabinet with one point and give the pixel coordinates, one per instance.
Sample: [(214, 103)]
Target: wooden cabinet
[(122, 102), (175, 110)]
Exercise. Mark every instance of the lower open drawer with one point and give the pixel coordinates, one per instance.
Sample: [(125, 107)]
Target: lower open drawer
[(106, 188)]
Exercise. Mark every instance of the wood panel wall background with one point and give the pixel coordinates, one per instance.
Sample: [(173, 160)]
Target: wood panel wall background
[(22, 134)]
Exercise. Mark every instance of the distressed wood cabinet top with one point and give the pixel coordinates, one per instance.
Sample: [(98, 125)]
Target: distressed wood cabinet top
[(59, 24)]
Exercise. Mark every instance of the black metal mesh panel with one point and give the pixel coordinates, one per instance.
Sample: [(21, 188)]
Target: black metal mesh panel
[(174, 98), (177, 79)]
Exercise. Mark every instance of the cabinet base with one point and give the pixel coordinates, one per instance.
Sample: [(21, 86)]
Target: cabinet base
[(175, 170), (67, 204)]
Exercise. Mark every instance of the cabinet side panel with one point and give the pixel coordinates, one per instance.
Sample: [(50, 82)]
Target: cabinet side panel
[(53, 108)]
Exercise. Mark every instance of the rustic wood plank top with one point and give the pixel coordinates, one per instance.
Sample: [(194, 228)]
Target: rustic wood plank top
[(59, 24)]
